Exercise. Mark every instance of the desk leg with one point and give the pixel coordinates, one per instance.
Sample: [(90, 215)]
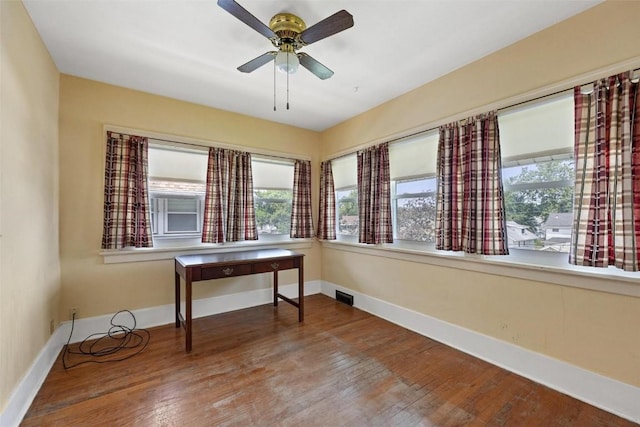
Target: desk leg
[(177, 300), (301, 291), (275, 288), (188, 320)]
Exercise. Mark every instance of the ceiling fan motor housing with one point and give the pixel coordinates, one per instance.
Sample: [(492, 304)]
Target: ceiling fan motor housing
[(287, 27)]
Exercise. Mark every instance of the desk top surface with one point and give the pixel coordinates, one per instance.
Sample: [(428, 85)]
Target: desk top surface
[(236, 257)]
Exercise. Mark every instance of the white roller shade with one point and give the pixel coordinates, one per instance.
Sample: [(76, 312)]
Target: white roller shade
[(345, 171), (538, 127), (414, 157), (169, 164), (272, 174)]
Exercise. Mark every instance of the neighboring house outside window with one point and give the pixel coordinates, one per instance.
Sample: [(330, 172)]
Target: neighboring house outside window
[(519, 236), (557, 231), (176, 208)]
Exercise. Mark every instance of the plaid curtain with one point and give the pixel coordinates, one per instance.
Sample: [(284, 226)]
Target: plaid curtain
[(127, 220), (470, 208), (229, 214), (374, 195), (327, 214), (301, 218), (607, 188)]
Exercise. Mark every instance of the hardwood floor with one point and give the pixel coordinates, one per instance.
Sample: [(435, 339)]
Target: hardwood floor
[(341, 367)]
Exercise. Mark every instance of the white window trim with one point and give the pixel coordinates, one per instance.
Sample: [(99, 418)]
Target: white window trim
[(609, 280), (117, 256)]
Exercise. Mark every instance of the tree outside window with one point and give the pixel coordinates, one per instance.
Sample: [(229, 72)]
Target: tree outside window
[(273, 211)]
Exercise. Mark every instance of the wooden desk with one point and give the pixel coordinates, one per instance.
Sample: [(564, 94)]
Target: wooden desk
[(193, 268)]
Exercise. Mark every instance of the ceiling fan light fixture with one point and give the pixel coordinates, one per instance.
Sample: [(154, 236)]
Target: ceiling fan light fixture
[(287, 62)]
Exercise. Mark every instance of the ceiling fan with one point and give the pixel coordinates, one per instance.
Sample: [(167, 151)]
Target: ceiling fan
[(289, 33)]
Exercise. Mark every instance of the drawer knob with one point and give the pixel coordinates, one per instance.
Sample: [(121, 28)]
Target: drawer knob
[(227, 271), (275, 265)]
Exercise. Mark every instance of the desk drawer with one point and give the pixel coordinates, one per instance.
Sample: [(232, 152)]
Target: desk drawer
[(264, 267), (227, 271)]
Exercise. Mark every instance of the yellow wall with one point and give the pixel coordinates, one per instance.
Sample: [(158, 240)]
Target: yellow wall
[(96, 288), (29, 268), (44, 275), (594, 330)]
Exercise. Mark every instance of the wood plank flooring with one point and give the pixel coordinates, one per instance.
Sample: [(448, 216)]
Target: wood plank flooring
[(341, 367)]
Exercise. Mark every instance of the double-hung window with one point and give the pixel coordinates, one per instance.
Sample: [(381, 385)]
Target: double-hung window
[(273, 194), (345, 181), (538, 173), (412, 164), (177, 179)]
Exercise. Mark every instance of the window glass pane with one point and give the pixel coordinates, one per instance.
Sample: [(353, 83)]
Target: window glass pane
[(539, 200), (182, 205), (415, 209), (347, 211), (182, 223), (273, 211)]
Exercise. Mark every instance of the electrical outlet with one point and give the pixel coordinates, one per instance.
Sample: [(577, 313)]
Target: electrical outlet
[(73, 313)]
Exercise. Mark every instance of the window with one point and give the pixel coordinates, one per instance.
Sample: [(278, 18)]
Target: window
[(273, 194), (535, 194), (177, 179), (538, 173), (345, 181), (412, 164), (347, 211), (414, 208)]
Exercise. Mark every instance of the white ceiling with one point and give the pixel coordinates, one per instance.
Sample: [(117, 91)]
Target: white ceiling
[(189, 50)]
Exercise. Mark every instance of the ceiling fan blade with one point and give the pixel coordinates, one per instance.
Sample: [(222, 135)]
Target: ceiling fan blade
[(314, 66), (258, 62), (245, 16), (337, 22)]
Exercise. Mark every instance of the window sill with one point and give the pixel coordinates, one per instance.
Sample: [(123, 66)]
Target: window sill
[(160, 253), (604, 280)]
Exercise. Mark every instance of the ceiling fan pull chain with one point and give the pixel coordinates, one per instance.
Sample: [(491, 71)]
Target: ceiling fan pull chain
[(287, 80), (274, 86)]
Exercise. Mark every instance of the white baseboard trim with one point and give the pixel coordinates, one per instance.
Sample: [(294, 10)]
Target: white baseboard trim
[(603, 392), (26, 391)]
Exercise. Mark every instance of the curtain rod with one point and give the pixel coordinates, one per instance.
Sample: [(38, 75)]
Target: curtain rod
[(537, 98), (201, 146)]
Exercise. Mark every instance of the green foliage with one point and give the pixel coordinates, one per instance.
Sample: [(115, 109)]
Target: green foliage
[(348, 205), (273, 211), (532, 206)]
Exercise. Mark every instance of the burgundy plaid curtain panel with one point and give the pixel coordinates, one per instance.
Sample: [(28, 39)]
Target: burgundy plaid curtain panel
[(301, 217), (470, 209), (327, 212), (374, 195), (229, 213), (607, 187), (127, 220)]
